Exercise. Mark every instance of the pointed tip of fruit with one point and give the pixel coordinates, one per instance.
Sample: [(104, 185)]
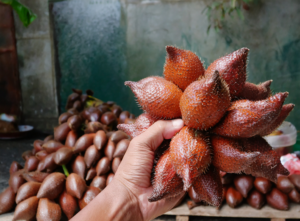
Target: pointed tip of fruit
[(244, 50), (285, 95), (130, 84), (291, 106), (171, 50), (121, 126), (280, 97), (267, 84)]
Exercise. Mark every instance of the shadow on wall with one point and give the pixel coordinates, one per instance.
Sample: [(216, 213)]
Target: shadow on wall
[(100, 44)]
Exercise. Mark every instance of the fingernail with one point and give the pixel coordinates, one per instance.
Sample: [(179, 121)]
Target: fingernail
[(177, 123)]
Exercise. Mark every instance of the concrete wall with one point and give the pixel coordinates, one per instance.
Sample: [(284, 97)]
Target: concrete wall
[(36, 66), (103, 43)]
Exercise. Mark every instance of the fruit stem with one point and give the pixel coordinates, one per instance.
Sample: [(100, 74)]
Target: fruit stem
[(93, 101), (66, 172)]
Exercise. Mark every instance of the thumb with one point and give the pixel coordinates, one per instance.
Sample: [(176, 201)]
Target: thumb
[(160, 130)]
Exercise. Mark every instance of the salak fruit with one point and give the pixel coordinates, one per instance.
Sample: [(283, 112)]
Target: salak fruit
[(225, 118)]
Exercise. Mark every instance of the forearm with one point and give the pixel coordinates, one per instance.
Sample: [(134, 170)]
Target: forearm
[(115, 202)]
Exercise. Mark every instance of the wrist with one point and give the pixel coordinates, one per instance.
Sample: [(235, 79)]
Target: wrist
[(119, 202)]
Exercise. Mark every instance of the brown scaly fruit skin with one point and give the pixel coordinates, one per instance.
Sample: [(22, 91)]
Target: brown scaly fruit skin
[(231, 144), (142, 123), (68, 204), (267, 164), (7, 200), (190, 154), (228, 155), (277, 199), (284, 113), (208, 187), (160, 98), (182, 67), (232, 69), (205, 102), (246, 118), (256, 92), (166, 182)]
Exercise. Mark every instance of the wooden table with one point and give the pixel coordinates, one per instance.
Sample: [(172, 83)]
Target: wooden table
[(182, 212)]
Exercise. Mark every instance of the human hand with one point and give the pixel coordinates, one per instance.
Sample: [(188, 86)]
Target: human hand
[(126, 197), (135, 169)]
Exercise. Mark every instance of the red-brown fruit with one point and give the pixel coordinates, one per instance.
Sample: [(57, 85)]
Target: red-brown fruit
[(14, 167), (263, 185), (68, 204), (31, 164), (41, 155), (75, 185), (284, 113), (277, 199), (233, 197), (109, 178), (37, 145), (117, 136), (99, 182), (294, 196), (208, 187), (232, 69), (246, 118), (79, 167), (26, 209), (7, 200), (142, 123), (295, 178), (160, 98), (16, 180), (91, 174), (166, 183), (71, 139), (267, 164), (256, 199), (48, 210), (91, 156), (63, 156), (27, 190), (205, 102), (52, 146), (100, 139), (52, 186), (228, 155), (83, 143), (190, 154), (182, 67), (243, 184), (284, 184), (35, 176), (121, 148), (255, 92), (88, 196)]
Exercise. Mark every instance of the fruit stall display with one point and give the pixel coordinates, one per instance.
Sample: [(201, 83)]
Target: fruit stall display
[(256, 191), (64, 172), (225, 120)]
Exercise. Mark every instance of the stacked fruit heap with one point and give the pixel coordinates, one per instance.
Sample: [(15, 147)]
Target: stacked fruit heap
[(257, 191), (85, 144), (225, 118)]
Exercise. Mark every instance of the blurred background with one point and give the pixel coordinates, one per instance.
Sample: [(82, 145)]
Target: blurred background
[(99, 44)]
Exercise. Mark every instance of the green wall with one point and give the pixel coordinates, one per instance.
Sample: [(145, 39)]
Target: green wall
[(100, 44)]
